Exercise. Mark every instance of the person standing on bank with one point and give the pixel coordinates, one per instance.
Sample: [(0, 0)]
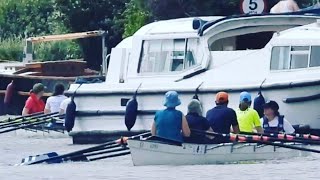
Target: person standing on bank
[(273, 122), (248, 118), (285, 6), (221, 118), (54, 102), (34, 103), (169, 123), (198, 122)]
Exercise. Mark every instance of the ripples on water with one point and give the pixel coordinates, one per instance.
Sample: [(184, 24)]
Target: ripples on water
[(13, 147)]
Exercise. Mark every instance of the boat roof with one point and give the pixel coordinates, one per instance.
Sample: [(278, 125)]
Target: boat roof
[(172, 26), (185, 25), (308, 32)]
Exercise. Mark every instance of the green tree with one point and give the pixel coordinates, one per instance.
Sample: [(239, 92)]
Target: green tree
[(84, 15)]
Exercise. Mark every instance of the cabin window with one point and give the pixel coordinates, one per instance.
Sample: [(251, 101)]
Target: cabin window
[(294, 57), (165, 56), (315, 56)]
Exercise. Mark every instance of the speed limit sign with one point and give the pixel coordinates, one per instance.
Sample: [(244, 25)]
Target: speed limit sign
[(253, 6)]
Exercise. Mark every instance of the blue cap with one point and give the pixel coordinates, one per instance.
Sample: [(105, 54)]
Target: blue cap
[(245, 97), (172, 99)]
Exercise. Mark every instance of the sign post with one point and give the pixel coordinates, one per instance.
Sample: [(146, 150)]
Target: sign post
[(253, 6)]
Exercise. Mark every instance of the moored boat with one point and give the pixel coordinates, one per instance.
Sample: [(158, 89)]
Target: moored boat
[(275, 54), (148, 152)]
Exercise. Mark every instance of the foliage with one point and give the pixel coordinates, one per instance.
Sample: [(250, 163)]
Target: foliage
[(84, 15), (135, 17), (11, 49), (58, 50)]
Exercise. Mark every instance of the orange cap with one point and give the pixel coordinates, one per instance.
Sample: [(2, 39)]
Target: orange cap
[(222, 97)]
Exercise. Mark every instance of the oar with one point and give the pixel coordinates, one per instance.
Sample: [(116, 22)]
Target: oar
[(107, 145), (21, 117), (26, 119), (43, 121), (303, 137), (254, 139), (30, 120)]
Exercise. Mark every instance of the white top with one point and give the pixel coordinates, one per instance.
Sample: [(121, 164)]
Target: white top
[(54, 102), (64, 104), (285, 6), (286, 125)]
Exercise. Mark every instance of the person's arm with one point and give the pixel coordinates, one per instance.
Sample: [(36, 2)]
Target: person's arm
[(210, 136), (25, 111), (236, 129), (47, 107), (234, 122), (185, 127), (257, 123), (288, 129), (295, 6), (153, 129)]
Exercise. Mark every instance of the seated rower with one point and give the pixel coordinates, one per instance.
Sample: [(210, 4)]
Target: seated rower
[(273, 122), (34, 103), (169, 123), (197, 121), (248, 118), (54, 102), (221, 118)]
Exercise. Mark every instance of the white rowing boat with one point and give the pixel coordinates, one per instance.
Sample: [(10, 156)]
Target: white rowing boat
[(145, 152)]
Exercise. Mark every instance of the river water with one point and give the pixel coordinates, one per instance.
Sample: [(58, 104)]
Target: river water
[(17, 145)]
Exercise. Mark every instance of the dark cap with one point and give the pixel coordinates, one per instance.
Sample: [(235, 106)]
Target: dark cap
[(272, 105), (38, 88)]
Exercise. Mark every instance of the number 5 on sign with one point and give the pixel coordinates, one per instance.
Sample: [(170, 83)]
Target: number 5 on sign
[(253, 6)]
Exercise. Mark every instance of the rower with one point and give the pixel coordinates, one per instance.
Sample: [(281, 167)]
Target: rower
[(197, 121), (54, 102), (285, 6), (273, 122), (248, 118), (221, 118), (169, 123), (34, 103)]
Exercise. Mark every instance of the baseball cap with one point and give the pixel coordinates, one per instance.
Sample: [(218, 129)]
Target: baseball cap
[(222, 97), (245, 97), (38, 88)]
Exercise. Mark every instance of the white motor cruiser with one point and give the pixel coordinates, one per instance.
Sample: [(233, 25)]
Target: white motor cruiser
[(277, 55)]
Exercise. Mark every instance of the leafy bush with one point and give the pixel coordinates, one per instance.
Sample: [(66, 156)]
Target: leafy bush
[(11, 49), (59, 50)]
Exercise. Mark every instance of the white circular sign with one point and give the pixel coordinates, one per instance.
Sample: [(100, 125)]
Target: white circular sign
[(253, 6)]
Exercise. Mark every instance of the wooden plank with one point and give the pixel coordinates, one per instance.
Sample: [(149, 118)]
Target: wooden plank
[(22, 93), (62, 37)]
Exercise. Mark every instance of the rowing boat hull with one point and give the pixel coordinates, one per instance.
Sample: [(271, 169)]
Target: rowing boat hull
[(154, 153)]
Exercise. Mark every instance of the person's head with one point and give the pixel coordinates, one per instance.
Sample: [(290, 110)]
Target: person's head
[(222, 98), (195, 107), (58, 89), (171, 99), (271, 109), (245, 100), (38, 89)]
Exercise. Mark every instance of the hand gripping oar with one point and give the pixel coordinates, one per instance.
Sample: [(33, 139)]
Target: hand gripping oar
[(27, 125), (21, 117), (25, 119), (254, 139), (107, 145)]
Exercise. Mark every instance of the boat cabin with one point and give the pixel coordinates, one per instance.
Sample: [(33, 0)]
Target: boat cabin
[(175, 50)]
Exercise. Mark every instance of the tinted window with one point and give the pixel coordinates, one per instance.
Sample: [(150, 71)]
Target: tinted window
[(164, 56), (315, 56), (280, 58)]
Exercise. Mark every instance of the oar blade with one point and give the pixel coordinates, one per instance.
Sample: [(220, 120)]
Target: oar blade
[(29, 160)]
